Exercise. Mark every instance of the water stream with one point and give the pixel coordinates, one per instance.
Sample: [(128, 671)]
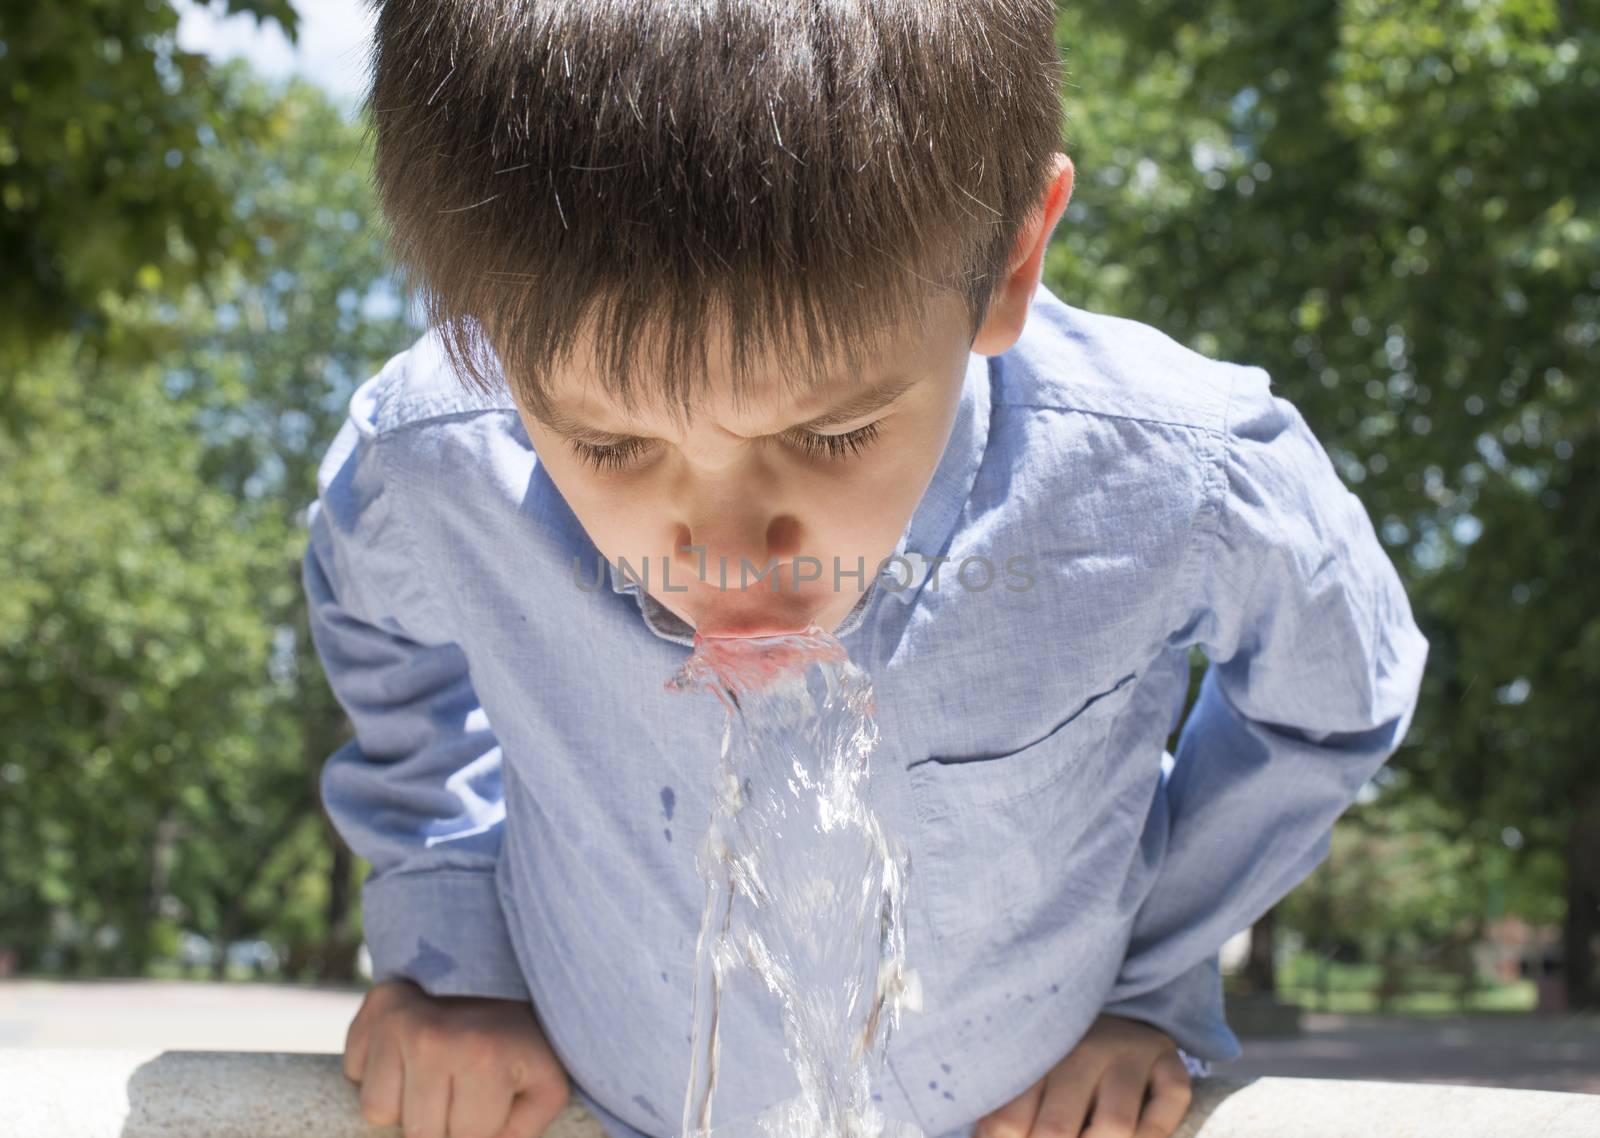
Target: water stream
[(803, 885)]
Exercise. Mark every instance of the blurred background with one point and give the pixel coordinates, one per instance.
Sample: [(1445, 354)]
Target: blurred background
[(1392, 207)]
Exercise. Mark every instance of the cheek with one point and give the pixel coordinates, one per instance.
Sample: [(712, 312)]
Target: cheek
[(617, 520), (865, 510)]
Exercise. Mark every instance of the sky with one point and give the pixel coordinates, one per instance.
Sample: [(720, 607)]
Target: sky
[(331, 50)]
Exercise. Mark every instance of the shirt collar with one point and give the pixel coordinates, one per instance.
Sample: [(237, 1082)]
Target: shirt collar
[(926, 535)]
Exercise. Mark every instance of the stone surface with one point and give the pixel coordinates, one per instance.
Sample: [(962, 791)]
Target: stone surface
[(69, 1093)]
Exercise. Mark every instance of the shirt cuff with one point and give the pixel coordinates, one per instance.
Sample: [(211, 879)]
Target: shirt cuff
[(1189, 1009), (445, 930)]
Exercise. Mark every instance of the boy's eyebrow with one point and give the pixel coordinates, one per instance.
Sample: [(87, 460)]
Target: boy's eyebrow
[(851, 407), (861, 402)]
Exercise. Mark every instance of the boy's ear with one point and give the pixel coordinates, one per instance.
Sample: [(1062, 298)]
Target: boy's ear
[(1009, 308)]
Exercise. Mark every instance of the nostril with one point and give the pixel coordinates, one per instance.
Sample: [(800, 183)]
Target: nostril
[(783, 536), (681, 539)]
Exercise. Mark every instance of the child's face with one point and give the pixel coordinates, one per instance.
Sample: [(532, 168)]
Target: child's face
[(772, 484), (762, 511)]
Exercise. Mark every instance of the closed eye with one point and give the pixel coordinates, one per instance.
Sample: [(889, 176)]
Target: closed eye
[(621, 455), (612, 456), (837, 446)]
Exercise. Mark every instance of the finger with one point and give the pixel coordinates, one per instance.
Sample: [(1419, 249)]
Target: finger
[(355, 1046), (479, 1104), (1171, 1091), (1068, 1089), (531, 1115), (1117, 1098), (427, 1097), (358, 1037), (381, 1078), (1015, 1118)]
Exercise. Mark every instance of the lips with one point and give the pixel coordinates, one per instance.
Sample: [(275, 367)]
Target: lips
[(743, 614), (751, 626)]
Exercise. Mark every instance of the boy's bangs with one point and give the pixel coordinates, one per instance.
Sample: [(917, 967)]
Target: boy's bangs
[(804, 174)]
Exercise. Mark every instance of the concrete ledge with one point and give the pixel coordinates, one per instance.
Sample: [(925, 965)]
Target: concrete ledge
[(252, 1094)]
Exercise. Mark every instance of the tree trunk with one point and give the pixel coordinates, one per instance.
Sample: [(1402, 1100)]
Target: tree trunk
[(1391, 974), (342, 941), (1260, 969), (1582, 921), (137, 949), (323, 729)]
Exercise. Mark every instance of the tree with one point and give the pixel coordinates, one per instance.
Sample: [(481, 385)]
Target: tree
[(167, 716), (1394, 209), (130, 652), (100, 196), (268, 354)]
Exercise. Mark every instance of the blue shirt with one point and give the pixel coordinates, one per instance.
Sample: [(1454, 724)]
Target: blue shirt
[(530, 796)]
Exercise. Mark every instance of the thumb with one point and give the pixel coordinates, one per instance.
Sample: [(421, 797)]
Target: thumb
[(531, 1114)]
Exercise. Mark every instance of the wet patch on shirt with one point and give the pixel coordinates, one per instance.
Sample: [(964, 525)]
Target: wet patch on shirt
[(663, 977), (645, 1104), (669, 800), (430, 963), (1054, 988), (945, 1067)]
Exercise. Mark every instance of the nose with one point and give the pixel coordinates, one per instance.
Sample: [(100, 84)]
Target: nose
[(737, 544)]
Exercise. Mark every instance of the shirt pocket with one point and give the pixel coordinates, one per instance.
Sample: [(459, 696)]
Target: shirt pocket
[(998, 834)]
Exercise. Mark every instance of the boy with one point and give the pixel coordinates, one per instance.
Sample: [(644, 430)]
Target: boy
[(732, 304)]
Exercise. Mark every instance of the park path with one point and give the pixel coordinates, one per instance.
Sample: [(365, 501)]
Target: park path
[(1534, 1052)]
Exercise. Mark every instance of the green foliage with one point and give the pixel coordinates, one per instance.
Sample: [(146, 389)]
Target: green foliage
[(101, 120), (166, 713), (130, 641), (1312, 982), (1395, 209), (1393, 878)]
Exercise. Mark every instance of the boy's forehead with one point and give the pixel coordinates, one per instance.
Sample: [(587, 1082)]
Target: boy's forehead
[(779, 386), (763, 399), (774, 387)]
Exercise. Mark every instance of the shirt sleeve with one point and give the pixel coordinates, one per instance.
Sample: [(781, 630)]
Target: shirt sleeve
[(1315, 663), (417, 790)]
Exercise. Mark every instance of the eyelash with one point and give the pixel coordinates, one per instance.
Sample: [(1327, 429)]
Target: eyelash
[(833, 447)]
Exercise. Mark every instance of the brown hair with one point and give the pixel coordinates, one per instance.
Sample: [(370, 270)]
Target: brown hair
[(809, 173)]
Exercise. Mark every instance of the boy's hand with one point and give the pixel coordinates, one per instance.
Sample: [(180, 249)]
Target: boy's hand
[(1114, 1064), (453, 1066)]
